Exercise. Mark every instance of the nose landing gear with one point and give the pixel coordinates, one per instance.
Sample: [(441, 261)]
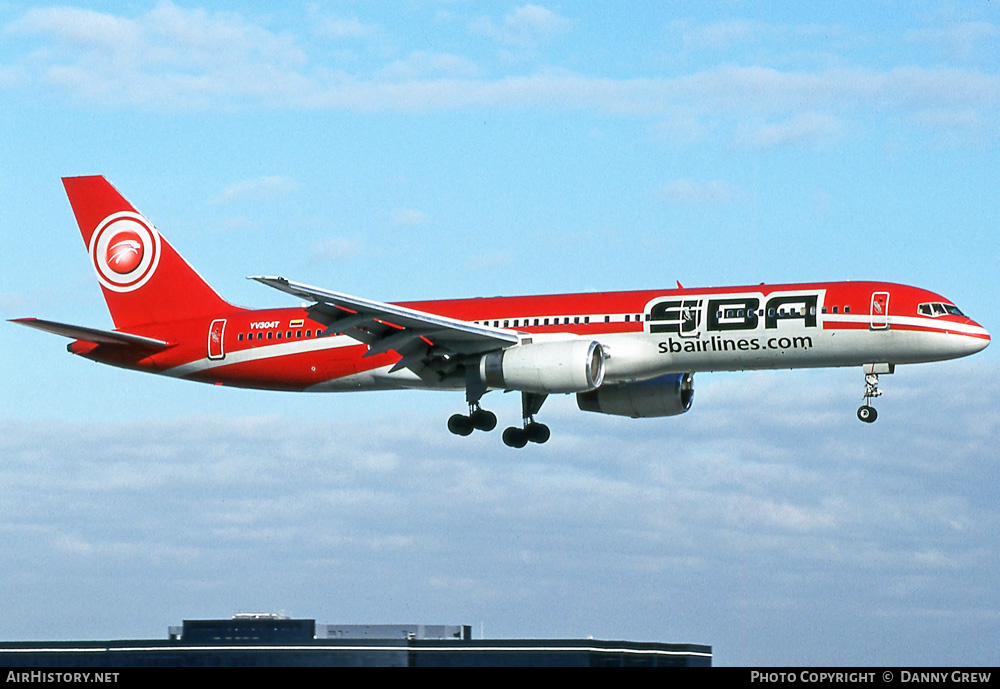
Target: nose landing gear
[(866, 412)]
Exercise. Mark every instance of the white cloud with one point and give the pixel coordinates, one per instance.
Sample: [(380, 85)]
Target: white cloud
[(959, 40), (343, 28), (418, 65), (172, 58), (169, 57), (725, 34), (715, 192), (729, 34), (409, 217), (680, 129), (336, 249), (807, 129), (261, 187), (526, 26)]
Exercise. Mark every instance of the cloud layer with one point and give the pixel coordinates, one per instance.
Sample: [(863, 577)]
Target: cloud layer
[(171, 58), (767, 512)]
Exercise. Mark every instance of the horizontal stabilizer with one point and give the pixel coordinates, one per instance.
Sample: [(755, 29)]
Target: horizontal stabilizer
[(101, 337)]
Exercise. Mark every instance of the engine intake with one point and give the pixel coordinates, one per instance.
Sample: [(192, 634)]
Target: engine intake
[(661, 396), (546, 367)]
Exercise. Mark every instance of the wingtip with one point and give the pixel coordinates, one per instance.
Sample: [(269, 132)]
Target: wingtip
[(269, 280)]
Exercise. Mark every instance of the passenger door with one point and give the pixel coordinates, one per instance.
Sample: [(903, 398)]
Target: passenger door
[(216, 335), (880, 311)]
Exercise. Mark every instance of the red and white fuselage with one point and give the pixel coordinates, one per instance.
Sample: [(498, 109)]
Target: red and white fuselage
[(644, 334)]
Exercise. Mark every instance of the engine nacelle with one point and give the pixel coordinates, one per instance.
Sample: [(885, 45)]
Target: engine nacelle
[(546, 367), (661, 396)]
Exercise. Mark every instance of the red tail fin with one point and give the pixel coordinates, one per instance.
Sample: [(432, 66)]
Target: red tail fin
[(144, 280)]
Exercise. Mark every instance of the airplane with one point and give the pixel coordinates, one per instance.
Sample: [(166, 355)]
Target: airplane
[(621, 353)]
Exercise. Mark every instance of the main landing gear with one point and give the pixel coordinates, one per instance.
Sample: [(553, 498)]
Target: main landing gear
[(478, 419), (482, 420), (530, 431)]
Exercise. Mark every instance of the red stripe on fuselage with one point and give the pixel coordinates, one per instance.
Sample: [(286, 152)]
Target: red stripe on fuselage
[(931, 327)]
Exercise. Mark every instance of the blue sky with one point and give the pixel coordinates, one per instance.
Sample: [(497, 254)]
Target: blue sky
[(413, 150)]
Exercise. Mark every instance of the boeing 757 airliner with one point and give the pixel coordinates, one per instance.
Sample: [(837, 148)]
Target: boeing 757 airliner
[(625, 353)]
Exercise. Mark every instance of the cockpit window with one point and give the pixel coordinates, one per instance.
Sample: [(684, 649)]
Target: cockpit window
[(935, 309)]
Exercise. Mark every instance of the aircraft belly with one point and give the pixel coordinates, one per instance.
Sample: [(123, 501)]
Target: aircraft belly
[(379, 379)]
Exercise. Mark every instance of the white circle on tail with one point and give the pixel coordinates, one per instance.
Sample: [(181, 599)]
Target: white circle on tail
[(125, 250)]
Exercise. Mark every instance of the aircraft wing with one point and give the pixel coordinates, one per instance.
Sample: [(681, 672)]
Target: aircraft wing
[(102, 337), (426, 342)]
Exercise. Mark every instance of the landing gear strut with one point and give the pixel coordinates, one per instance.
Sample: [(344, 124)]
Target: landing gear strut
[(866, 412), (482, 420), (531, 431), (478, 418)]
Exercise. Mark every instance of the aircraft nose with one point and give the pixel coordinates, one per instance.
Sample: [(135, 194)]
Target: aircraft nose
[(978, 339)]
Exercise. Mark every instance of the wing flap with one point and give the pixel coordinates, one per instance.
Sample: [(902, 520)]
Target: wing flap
[(428, 344), (461, 337)]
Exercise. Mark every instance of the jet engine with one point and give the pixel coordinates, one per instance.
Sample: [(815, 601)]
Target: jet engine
[(545, 367), (661, 396)]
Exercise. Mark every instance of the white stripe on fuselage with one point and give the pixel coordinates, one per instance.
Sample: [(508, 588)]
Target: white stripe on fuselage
[(935, 324), (270, 351)]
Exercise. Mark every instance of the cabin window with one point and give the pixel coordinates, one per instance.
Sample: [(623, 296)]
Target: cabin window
[(270, 335), (240, 337), (847, 309), (627, 317), (835, 309)]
